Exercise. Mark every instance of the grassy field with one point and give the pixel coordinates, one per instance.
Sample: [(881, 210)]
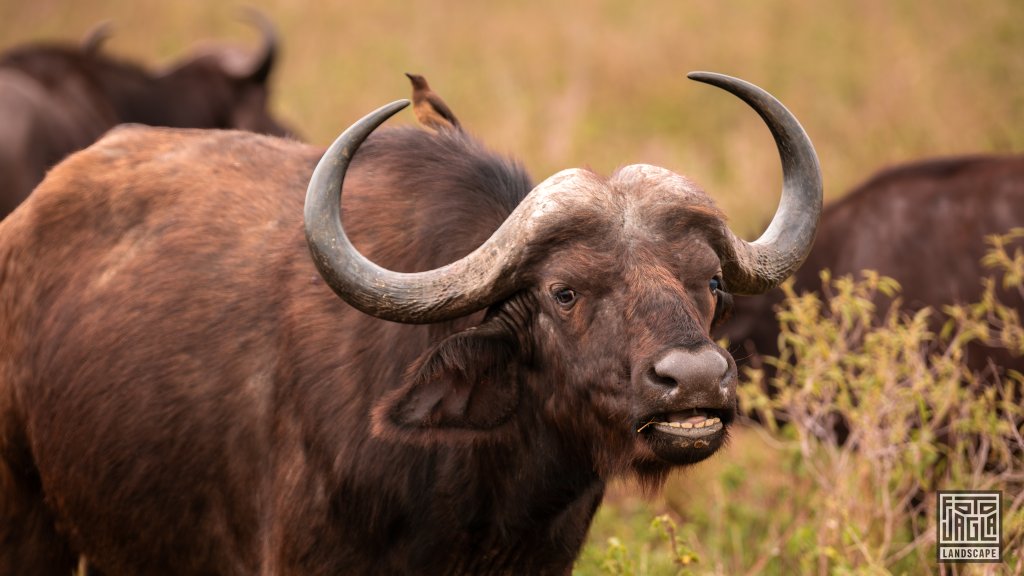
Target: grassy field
[(602, 84)]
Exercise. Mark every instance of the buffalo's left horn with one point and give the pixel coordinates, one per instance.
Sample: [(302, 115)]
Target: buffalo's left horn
[(755, 267), (264, 63)]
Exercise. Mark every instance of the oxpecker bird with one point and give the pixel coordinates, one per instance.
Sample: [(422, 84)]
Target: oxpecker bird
[(430, 109)]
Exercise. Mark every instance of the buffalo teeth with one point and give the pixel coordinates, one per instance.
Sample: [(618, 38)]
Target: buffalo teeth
[(689, 430), (708, 422)]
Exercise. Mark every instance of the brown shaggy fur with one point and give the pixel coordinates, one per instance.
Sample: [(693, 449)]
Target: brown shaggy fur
[(182, 394)]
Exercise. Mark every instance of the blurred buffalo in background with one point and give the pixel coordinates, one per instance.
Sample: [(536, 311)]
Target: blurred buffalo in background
[(59, 98), (923, 224)]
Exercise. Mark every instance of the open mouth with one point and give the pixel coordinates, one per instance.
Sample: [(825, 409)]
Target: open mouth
[(698, 425), (696, 428)]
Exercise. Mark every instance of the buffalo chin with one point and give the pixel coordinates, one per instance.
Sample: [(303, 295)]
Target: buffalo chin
[(681, 451)]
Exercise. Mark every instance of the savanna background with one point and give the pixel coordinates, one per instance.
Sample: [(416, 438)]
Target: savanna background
[(602, 84)]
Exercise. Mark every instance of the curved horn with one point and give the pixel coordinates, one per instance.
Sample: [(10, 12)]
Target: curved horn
[(755, 267), (486, 275), (492, 271), (96, 36), (264, 63)]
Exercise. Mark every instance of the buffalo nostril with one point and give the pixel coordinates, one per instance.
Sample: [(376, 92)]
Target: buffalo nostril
[(657, 378), (683, 367)]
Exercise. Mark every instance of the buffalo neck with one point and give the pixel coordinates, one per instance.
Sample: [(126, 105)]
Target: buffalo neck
[(525, 493)]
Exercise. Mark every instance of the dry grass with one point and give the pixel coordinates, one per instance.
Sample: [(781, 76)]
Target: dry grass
[(575, 83)]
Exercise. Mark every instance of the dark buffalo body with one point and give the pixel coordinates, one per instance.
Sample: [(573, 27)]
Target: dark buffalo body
[(56, 99), (923, 224), (182, 391)]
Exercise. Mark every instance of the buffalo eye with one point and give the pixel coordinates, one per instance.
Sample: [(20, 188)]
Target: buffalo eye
[(715, 284), (564, 296), (723, 301)]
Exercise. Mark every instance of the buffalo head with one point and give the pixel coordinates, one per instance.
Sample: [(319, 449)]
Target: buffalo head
[(215, 86), (231, 84), (600, 295)]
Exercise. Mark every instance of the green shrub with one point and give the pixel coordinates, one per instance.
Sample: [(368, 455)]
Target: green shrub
[(871, 412)]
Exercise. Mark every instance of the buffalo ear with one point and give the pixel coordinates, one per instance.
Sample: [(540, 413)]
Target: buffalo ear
[(466, 385)]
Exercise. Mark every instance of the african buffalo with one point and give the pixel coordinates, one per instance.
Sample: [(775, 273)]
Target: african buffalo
[(184, 390), (923, 224), (56, 99)]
